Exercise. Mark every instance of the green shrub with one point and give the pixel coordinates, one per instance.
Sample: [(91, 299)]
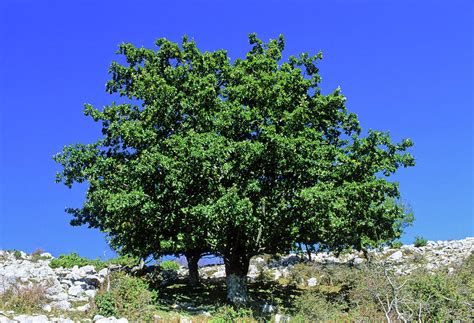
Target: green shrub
[(124, 261), (440, 296), (17, 254), (396, 244), (314, 307), (230, 314), (105, 303), (73, 259), (420, 242), (128, 297), (301, 272), (169, 265), (265, 275)]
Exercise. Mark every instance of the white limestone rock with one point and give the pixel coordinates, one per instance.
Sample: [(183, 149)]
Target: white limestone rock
[(61, 305), (89, 269), (83, 308), (103, 272), (90, 293), (76, 290), (396, 256), (312, 282)]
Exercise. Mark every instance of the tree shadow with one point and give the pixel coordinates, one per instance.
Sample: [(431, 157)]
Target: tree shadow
[(211, 294)]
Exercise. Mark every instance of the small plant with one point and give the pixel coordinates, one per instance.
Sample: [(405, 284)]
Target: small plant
[(396, 244), (127, 297), (420, 242), (16, 254), (36, 255), (230, 314), (37, 252), (169, 265), (265, 275), (106, 305), (314, 307)]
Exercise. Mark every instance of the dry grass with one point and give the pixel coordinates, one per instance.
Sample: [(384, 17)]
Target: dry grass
[(24, 298)]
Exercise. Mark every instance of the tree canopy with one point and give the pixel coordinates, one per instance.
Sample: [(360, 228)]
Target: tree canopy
[(233, 157)]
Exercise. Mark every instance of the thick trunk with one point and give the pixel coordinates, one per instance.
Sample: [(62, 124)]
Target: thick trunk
[(237, 293), (192, 257), (308, 251), (236, 269)]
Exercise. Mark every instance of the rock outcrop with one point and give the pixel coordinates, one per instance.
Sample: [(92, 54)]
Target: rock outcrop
[(72, 289), (433, 256), (63, 287)]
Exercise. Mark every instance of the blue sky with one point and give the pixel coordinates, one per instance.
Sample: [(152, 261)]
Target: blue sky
[(405, 67)]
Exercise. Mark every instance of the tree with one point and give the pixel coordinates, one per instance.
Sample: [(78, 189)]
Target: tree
[(232, 157)]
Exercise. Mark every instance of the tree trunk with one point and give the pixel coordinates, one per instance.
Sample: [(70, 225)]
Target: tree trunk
[(236, 269), (308, 252), (192, 258)]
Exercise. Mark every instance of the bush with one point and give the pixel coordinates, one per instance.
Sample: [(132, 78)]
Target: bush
[(396, 244), (420, 242), (105, 304), (17, 254), (124, 261), (128, 297), (420, 296), (73, 259), (314, 307), (230, 314), (440, 297), (36, 255), (169, 265)]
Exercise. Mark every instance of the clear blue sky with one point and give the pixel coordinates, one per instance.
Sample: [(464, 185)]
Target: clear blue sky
[(405, 67)]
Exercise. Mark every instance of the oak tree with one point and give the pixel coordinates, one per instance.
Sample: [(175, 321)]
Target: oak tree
[(233, 157)]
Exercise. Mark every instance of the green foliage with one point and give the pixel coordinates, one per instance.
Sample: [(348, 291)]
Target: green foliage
[(123, 260), (128, 297), (17, 254), (106, 304), (73, 259), (370, 292), (314, 307), (265, 275), (396, 244), (420, 241), (235, 157), (442, 297), (231, 314), (169, 265)]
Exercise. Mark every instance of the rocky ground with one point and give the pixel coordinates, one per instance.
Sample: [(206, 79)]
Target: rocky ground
[(436, 254), (71, 290)]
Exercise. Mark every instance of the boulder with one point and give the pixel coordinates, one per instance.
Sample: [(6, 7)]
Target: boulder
[(312, 282), (89, 269), (103, 272), (396, 256), (76, 290), (61, 305)]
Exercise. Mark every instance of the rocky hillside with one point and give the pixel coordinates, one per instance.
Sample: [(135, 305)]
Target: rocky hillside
[(71, 290)]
